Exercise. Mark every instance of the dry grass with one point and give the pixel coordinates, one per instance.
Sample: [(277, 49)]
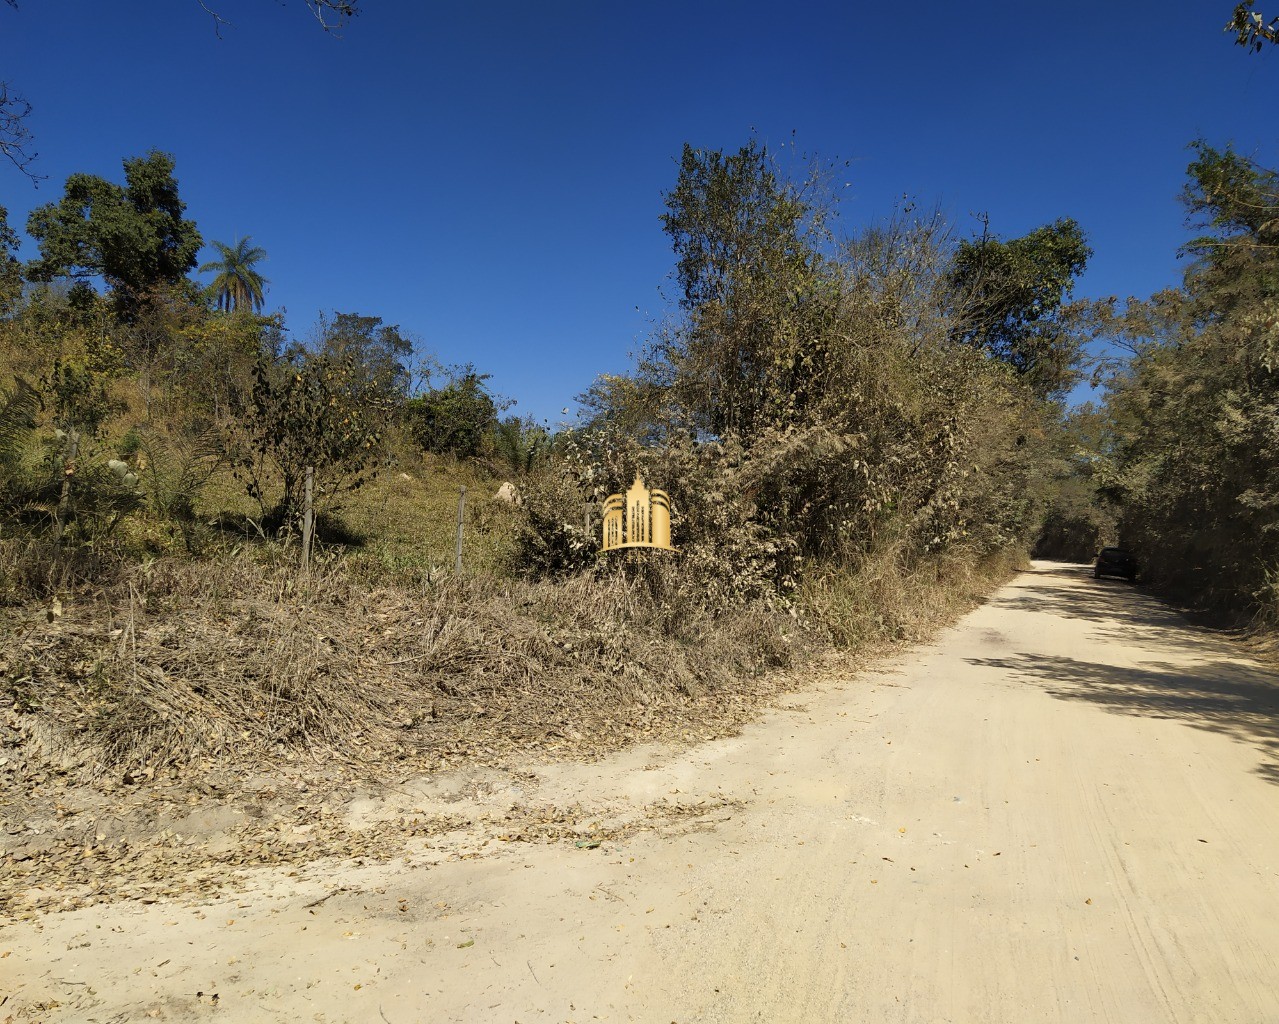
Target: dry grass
[(403, 522), (383, 656), (885, 603), (243, 662)]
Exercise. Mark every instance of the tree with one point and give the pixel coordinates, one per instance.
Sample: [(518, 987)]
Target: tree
[(1011, 297), (747, 244), (1236, 202), (238, 283), (1251, 29), (376, 351), (1196, 473), (454, 419), (133, 236), (519, 445), (305, 410), (10, 266), (829, 414)]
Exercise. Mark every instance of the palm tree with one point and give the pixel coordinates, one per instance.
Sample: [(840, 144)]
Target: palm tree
[(237, 283)]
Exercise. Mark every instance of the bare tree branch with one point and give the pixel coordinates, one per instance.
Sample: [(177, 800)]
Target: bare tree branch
[(332, 14), (218, 20), (15, 137)]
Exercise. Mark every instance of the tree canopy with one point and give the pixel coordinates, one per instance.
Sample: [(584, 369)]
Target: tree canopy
[(456, 418), (376, 351), (1194, 469), (132, 236), (1011, 297), (238, 284), (748, 260), (1235, 202)]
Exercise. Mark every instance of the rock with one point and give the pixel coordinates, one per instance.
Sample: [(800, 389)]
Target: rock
[(508, 494)]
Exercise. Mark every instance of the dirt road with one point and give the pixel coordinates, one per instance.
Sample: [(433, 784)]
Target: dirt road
[(1065, 810)]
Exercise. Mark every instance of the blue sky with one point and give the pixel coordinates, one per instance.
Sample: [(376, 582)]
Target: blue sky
[(489, 175)]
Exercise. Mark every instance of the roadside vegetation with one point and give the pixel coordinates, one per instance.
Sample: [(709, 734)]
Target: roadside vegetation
[(1183, 455), (860, 434)]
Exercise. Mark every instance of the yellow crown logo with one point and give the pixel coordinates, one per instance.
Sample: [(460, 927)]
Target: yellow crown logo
[(641, 518)]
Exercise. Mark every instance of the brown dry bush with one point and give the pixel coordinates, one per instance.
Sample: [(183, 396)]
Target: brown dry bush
[(244, 662)]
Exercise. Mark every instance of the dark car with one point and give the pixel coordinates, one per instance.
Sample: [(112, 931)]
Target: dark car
[(1116, 562)]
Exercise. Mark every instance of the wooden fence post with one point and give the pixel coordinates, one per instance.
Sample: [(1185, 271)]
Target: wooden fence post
[(461, 506), (308, 517), (64, 499)]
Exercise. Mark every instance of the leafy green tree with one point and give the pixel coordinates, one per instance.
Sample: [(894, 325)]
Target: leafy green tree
[(1011, 298), (1078, 518), (747, 243), (1235, 263), (132, 236), (237, 284), (1196, 472), (377, 352), (306, 410), (456, 418)]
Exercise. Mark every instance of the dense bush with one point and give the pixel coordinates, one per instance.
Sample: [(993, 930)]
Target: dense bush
[(1192, 458), (822, 405), (456, 418)]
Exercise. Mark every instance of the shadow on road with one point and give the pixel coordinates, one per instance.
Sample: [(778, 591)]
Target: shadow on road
[(1216, 688), (1071, 591)]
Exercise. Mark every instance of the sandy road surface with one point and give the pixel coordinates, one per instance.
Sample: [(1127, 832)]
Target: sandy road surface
[(1065, 810)]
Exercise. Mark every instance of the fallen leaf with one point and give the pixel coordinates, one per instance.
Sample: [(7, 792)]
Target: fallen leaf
[(464, 945), (1088, 901)]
